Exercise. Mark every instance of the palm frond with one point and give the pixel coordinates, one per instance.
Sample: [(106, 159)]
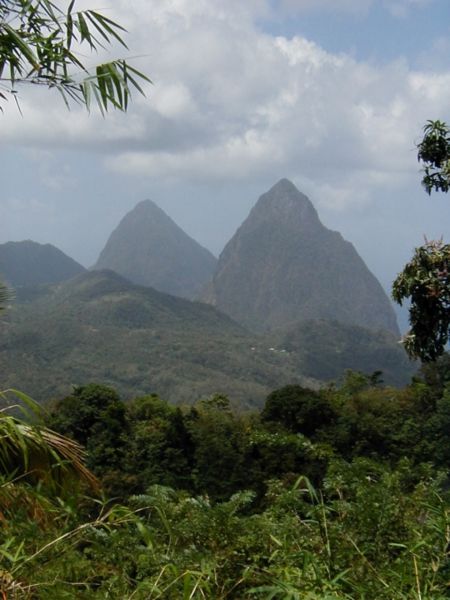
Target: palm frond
[(36, 453)]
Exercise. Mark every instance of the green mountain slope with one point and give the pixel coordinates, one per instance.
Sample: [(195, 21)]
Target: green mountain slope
[(325, 349), (99, 327)]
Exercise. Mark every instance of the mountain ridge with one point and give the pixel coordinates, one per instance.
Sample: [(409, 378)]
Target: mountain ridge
[(283, 265), (29, 263)]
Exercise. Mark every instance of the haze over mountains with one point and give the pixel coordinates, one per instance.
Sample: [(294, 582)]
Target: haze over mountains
[(283, 266), (29, 263), (149, 249), (293, 303)]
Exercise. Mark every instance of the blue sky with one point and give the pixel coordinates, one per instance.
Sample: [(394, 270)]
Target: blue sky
[(332, 94), (370, 31)]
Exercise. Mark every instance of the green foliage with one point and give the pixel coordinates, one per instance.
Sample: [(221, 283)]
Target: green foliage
[(324, 349), (369, 534), (436, 374), (224, 509), (209, 449), (37, 46), (95, 417), (87, 410), (298, 409), (30, 451), (434, 153), (438, 427), (217, 437), (426, 281), (159, 446)]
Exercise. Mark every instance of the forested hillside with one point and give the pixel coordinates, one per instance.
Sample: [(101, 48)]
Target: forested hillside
[(99, 327)]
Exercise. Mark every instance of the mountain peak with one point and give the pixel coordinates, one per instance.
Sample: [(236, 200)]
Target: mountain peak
[(30, 263), (285, 204), (283, 186), (149, 212), (283, 265), (149, 249), (148, 206)]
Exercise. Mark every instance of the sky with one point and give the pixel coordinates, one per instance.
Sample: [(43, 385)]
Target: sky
[(332, 94)]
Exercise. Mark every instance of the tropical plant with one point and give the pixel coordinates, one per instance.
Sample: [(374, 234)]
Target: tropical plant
[(426, 281), (38, 469), (32, 452), (434, 153), (42, 44)]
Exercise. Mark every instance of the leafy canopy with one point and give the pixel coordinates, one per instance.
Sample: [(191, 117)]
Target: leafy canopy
[(425, 279), (41, 44), (434, 153)]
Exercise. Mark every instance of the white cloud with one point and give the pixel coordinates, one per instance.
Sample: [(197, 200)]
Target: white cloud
[(231, 102), (305, 112)]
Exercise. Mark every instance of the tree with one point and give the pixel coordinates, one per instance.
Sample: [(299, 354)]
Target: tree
[(426, 278), (40, 44), (434, 152), (218, 447), (94, 416), (160, 448), (298, 409), (426, 281)]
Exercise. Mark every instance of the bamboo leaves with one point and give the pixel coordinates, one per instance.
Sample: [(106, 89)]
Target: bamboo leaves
[(36, 47)]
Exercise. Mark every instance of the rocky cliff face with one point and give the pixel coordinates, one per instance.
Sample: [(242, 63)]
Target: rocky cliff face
[(283, 266), (149, 249), (28, 263)]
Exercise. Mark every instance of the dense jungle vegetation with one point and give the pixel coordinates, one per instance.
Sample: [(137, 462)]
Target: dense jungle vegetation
[(338, 493)]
